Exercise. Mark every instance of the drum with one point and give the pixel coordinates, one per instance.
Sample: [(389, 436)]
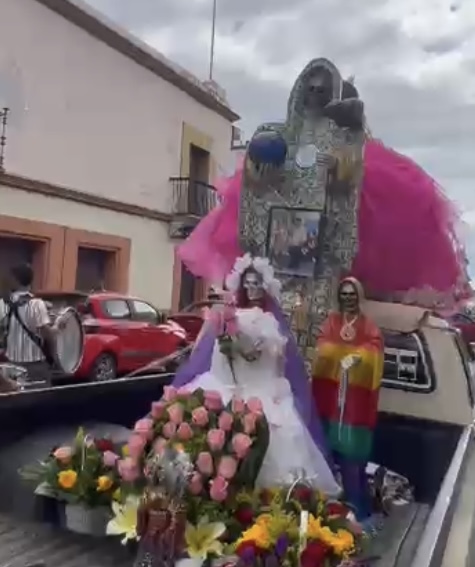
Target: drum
[(68, 340)]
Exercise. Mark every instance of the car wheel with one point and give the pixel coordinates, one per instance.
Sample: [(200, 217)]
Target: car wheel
[(104, 368)]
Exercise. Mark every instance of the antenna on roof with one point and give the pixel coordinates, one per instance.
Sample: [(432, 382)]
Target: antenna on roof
[(213, 34)]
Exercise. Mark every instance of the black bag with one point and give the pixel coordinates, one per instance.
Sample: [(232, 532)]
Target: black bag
[(39, 342)]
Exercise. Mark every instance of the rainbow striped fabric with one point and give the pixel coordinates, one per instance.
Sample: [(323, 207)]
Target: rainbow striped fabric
[(348, 419)]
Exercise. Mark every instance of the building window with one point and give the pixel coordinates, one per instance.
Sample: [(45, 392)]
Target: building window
[(14, 251), (93, 269)]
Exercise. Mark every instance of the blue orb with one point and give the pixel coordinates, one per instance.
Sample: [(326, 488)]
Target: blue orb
[(268, 148)]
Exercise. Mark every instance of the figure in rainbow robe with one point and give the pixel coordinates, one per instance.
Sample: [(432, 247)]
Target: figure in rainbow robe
[(347, 373)]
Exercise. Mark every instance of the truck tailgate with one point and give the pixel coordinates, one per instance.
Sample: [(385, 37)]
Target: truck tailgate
[(22, 544)]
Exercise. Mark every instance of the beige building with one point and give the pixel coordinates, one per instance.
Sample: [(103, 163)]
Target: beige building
[(109, 157)]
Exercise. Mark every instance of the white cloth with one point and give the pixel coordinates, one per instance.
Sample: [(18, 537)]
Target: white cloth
[(291, 449)]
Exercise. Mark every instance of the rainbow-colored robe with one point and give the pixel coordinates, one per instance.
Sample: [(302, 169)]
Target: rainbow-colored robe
[(349, 433)]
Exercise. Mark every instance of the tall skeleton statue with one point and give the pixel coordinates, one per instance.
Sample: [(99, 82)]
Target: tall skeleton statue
[(312, 161)]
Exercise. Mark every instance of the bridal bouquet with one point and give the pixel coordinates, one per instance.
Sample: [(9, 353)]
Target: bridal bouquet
[(226, 445)]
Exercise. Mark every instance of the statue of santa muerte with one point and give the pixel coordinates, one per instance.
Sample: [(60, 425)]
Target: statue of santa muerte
[(317, 213)]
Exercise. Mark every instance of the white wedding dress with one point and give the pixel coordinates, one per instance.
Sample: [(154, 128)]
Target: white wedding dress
[(291, 451)]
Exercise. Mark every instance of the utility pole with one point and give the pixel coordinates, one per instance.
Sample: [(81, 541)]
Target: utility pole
[(213, 34)]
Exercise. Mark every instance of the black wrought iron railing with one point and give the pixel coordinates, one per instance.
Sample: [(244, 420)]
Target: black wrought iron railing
[(192, 197)]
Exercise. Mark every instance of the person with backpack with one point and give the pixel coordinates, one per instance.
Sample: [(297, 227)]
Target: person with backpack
[(26, 326)]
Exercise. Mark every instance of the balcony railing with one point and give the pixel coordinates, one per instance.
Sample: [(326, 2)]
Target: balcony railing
[(192, 197)]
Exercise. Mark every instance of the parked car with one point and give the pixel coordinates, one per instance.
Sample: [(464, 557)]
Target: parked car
[(465, 323), (192, 316), (122, 333)]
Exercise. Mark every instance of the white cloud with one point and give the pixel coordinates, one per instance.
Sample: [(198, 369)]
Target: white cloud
[(414, 62)]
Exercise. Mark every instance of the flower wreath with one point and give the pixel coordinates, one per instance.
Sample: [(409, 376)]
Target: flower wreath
[(262, 266)]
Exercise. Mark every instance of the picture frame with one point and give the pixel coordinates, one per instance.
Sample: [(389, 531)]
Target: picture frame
[(292, 240)]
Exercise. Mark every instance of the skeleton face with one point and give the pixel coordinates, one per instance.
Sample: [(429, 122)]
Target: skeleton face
[(252, 283), (348, 298), (318, 91)]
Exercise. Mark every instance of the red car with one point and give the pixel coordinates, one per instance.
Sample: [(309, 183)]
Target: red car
[(122, 334), (466, 325)]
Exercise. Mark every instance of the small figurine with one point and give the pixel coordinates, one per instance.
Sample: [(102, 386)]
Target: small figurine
[(161, 519), (347, 373)]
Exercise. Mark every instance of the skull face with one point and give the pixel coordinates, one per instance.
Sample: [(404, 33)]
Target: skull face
[(252, 284), (348, 298), (319, 89)]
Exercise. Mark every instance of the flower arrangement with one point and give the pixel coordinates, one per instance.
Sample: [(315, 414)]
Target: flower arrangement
[(296, 528), (226, 446), (82, 473)]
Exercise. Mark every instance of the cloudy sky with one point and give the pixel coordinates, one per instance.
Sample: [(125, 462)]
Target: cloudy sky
[(414, 63)]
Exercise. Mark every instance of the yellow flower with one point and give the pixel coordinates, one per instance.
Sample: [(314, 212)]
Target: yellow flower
[(104, 483), (257, 533), (203, 539), (342, 542), (67, 479), (179, 447), (124, 522)]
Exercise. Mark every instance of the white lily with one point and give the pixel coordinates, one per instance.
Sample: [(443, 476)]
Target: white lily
[(124, 522), (202, 540)]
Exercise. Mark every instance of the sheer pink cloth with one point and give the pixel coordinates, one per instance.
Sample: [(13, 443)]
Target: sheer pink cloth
[(408, 245)]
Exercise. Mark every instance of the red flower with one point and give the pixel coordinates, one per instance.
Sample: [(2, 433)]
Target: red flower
[(336, 509), (302, 494), (244, 515), (104, 445), (314, 554)]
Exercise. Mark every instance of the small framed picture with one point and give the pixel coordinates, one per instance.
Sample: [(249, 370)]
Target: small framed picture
[(292, 240)]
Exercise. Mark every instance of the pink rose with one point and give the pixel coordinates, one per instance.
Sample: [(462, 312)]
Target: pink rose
[(136, 445), (204, 463), (109, 458), (216, 439), (63, 454), (195, 485), (169, 430), (225, 421), (218, 489), (227, 467), (175, 413), (157, 409), (144, 427), (213, 400), (200, 416), (254, 405), (241, 444), (159, 445), (169, 393), (128, 469), (183, 392), (249, 423), (232, 328), (184, 432), (237, 404)]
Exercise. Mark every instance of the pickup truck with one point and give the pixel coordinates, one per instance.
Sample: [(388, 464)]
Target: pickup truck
[(425, 432)]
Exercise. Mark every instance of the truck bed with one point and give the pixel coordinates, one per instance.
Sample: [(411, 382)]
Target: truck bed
[(23, 544), (395, 545)]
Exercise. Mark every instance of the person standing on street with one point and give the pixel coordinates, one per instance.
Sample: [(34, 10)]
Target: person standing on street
[(26, 326)]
